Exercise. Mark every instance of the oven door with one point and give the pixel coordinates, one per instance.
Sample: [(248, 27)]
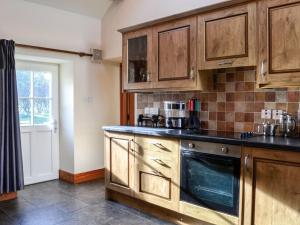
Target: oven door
[(210, 181)]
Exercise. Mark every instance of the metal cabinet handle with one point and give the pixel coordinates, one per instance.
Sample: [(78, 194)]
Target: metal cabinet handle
[(148, 76), (130, 145), (262, 69), (247, 157), (225, 62), (192, 73)]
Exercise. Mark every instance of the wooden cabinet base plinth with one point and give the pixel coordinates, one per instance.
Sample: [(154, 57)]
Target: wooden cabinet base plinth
[(153, 210)]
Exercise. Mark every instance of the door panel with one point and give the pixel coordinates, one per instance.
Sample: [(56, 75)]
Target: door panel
[(137, 60), (173, 54), (26, 154), (226, 37), (119, 162), (119, 167), (271, 187), (38, 112), (284, 38), (277, 199), (279, 43)]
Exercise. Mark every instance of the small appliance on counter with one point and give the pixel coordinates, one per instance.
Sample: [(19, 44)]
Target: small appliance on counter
[(194, 109), (150, 121), (175, 114)]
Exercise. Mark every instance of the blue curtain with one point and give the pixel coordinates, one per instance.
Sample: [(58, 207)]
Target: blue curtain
[(11, 166)]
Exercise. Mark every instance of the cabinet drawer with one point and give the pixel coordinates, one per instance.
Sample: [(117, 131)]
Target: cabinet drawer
[(154, 184), (157, 146), (154, 164)]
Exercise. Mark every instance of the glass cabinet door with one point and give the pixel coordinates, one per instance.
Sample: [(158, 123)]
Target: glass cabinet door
[(137, 60)]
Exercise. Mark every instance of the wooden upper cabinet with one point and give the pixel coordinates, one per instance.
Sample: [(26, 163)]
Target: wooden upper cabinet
[(227, 38), (174, 45), (119, 159), (272, 183), (279, 43), (137, 59)]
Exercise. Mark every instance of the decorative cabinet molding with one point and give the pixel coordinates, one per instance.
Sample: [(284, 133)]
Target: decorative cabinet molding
[(227, 38), (279, 43), (271, 187)]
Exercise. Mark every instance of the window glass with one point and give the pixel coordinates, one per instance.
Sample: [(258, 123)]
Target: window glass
[(24, 83), (42, 84), (35, 97)]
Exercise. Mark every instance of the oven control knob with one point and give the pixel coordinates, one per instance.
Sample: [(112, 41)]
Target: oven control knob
[(224, 150), (191, 145)]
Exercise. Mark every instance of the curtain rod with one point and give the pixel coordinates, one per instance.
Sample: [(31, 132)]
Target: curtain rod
[(81, 54)]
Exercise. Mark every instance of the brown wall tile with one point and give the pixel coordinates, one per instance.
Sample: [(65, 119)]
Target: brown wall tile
[(234, 104)]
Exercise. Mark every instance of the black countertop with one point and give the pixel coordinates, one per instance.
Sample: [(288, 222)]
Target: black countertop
[(279, 143)]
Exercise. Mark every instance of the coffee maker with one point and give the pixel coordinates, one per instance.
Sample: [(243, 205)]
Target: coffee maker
[(175, 114), (194, 109)]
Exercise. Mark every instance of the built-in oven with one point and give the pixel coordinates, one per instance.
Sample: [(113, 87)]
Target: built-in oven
[(210, 175)]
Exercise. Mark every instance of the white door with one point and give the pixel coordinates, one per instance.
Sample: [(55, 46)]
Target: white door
[(38, 112)]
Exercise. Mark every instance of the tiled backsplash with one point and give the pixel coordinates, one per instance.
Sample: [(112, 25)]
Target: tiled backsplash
[(233, 104)]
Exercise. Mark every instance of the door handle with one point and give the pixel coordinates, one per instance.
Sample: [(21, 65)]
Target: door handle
[(54, 125)]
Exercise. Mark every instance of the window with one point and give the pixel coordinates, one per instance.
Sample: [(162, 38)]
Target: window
[(35, 97)]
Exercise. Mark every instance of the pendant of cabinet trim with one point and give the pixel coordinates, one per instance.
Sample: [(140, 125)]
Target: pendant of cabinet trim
[(279, 43), (227, 38)]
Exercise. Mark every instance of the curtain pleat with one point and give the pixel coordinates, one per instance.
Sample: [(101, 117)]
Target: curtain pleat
[(11, 166)]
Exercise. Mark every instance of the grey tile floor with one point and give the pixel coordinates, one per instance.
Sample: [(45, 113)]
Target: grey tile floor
[(60, 203)]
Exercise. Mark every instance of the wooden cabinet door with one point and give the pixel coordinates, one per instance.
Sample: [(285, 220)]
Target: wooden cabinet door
[(119, 162), (157, 171), (227, 38), (137, 60), (174, 45), (279, 43), (271, 187)]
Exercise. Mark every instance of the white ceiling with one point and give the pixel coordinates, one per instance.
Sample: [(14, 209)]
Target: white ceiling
[(92, 8)]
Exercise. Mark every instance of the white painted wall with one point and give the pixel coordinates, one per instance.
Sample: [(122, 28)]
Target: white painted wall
[(126, 13), (81, 143)]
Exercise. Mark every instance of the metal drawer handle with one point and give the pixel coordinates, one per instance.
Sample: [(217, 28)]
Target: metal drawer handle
[(159, 145), (160, 162), (157, 173), (226, 62)]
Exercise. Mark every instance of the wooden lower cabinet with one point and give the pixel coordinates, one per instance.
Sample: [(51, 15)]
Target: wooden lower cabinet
[(271, 187), (119, 162), (157, 171)]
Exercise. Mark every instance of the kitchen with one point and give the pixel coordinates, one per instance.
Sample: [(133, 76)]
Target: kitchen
[(150, 112), (216, 133)]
